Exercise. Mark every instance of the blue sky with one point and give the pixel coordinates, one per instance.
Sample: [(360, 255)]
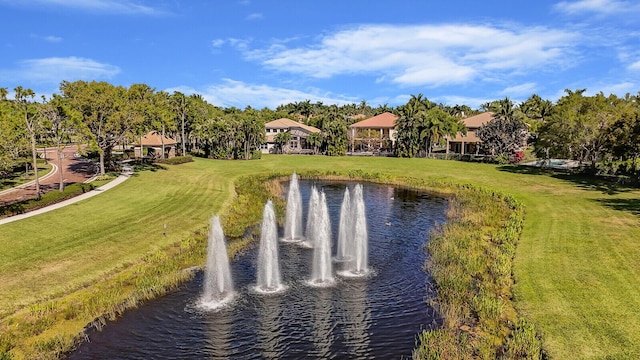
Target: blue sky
[(269, 52)]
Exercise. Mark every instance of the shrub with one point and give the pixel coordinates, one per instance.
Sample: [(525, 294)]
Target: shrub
[(176, 160), (47, 199), (503, 158), (517, 157)]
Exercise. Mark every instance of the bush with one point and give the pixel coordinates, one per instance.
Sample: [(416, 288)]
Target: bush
[(503, 158), (517, 157), (47, 199), (256, 154), (176, 160)]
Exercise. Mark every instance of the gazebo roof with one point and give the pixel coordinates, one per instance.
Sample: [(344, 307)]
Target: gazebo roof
[(152, 138)]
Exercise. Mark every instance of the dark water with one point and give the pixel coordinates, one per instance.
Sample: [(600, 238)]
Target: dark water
[(374, 317)]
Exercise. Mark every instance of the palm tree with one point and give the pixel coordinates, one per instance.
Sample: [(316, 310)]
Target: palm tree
[(504, 109), (282, 140), (411, 118), (315, 140)]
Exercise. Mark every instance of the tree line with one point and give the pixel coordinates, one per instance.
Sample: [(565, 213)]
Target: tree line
[(600, 131)]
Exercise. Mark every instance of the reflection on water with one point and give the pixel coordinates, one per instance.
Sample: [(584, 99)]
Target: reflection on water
[(270, 328), (322, 324), (357, 319), (219, 328), (377, 316)]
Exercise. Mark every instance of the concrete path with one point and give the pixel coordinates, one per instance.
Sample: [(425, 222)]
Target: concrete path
[(127, 171)]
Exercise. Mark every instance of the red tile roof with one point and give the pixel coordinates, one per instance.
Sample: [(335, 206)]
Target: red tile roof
[(383, 121)]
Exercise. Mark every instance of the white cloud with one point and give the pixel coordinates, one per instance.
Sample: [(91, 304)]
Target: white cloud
[(635, 66), (240, 44), (240, 94), (55, 69), (472, 102), (428, 55), (592, 6), (518, 90), (619, 89), (103, 6), (48, 38), (255, 16), (53, 39), (217, 42)]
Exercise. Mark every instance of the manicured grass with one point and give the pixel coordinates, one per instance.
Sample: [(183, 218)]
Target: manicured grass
[(576, 267), (18, 178)]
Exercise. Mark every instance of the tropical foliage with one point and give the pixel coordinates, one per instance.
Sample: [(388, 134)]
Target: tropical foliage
[(599, 131), (505, 135), (422, 125)]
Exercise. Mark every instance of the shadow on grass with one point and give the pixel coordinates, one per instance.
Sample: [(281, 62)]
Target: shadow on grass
[(609, 186), (153, 167), (627, 205)]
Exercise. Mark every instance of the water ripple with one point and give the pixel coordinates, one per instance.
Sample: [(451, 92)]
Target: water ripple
[(375, 316)]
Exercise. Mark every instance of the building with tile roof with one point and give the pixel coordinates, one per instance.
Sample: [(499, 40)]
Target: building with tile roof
[(299, 133), (156, 144), (374, 134), (468, 144)]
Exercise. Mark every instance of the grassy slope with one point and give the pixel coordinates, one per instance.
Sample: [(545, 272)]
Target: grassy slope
[(577, 267)]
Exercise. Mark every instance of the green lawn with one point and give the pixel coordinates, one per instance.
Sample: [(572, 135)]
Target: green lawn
[(577, 266), (18, 178)]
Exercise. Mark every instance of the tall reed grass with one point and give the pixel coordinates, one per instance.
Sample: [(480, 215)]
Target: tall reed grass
[(471, 260)]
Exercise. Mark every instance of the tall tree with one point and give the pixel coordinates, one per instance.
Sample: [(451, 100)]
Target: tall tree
[(502, 135), (334, 132), (282, 141), (315, 140), (106, 119), (58, 122), (179, 101), (251, 130), (24, 101), (412, 116), (576, 127), (14, 142), (437, 124)]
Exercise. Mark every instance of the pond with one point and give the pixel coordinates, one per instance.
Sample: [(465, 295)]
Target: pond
[(377, 316)]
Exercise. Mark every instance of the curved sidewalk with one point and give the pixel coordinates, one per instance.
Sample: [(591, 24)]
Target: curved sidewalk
[(54, 171), (127, 171)]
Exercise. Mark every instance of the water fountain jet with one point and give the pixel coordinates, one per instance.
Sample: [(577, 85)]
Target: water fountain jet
[(345, 229), (322, 269), (293, 219), (358, 266), (218, 286), (268, 276), (312, 218)]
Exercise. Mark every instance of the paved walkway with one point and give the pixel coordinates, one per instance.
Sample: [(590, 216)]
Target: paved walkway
[(54, 171), (75, 169), (127, 171)]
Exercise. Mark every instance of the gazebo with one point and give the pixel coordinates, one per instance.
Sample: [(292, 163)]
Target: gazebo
[(156, 145)]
